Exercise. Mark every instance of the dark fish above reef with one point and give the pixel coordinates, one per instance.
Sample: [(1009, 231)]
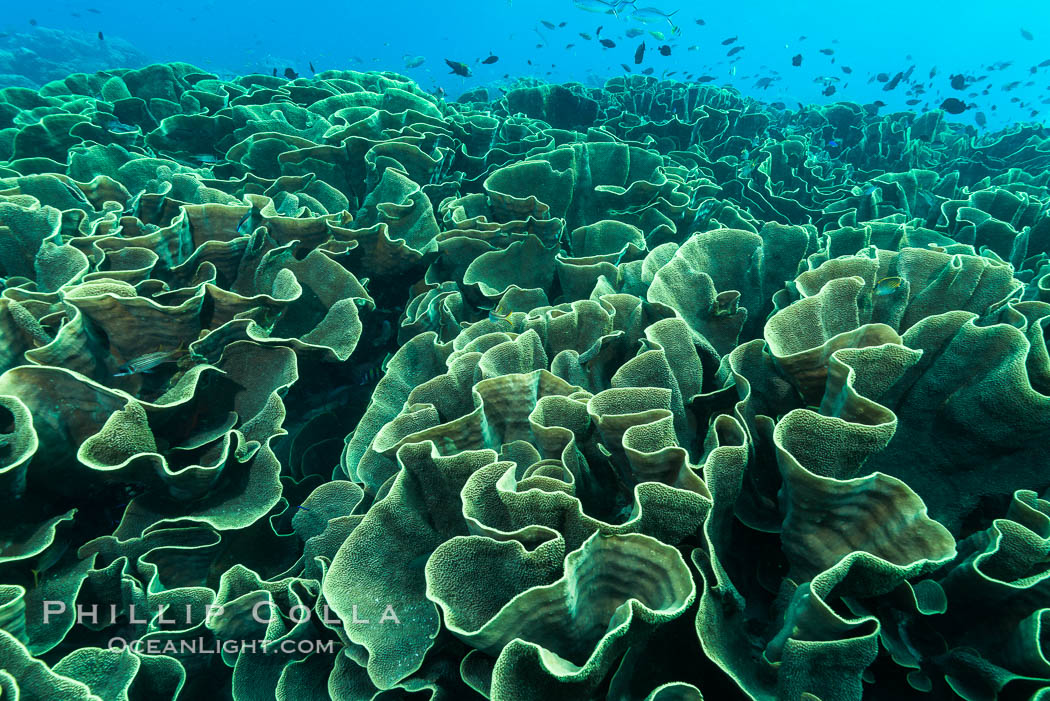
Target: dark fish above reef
[(953, 106), (490, 60), (458, 68), (608, 43)]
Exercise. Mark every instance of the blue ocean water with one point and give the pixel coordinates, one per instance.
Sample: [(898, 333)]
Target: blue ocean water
[(987, 44)]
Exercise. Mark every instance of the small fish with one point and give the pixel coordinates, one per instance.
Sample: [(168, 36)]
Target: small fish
[(912, 102), (651, 14), (625, 67), (585, 36), (490, 60), (561, 24), (887, 285), (734, 50), (312, 69), (100, 37), (32, 22), (730, 40), (94, 11), (827, 52), (639, 53), (828, 91), (369, 375), (981, 119), (499, 313), (664, 50), (659, 36), (1025, 34), (958, 81), (634, 32), (146, 362), (414, 61), (648, 71), (548, 25), (953, 106), (832, 143), (241, 228), (275, 72), (598, 31), (608, 43), (290, 74), (458, 68), (601, 7), (748, 167), (796, 60), (700, 22), (894, 82)]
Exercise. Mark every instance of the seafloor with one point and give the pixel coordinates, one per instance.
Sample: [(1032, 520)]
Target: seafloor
[(645, 392)]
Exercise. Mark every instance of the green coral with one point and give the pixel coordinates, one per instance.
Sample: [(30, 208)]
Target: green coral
[(630, 392)]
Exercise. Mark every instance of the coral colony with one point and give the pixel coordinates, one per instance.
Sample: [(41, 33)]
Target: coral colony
[(325, 387)]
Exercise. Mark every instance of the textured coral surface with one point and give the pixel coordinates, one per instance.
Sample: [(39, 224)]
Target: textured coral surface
[(622, 393)]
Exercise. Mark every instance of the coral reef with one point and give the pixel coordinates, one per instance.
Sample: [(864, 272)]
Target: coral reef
[(632, 392)]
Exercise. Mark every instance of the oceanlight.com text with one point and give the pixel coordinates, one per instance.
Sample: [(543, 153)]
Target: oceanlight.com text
[(207, 646)]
